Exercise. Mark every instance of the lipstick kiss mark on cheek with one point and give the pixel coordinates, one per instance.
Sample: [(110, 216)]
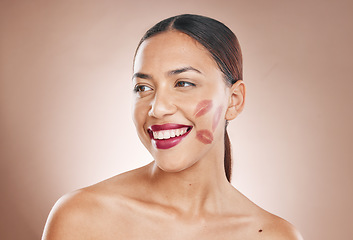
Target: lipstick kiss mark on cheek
[(216, 118), (203, 107), (204, 136)]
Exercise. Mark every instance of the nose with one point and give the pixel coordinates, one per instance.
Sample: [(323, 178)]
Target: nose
[(162, 105)]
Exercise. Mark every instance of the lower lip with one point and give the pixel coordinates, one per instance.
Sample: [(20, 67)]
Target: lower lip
[(168, 143)]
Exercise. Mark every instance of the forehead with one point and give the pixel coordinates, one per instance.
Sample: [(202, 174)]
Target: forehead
[(172, 49)]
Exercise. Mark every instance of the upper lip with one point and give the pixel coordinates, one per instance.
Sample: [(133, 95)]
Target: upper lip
[(167, 126)]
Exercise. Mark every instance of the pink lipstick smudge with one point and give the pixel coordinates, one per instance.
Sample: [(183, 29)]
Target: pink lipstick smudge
[(203, 107), (216, 117), (204, 136)]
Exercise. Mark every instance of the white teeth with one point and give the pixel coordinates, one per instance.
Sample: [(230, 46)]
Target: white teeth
[(166, 134), (160, 135)]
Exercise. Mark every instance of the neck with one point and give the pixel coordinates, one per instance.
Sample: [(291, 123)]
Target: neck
[(194, 191)]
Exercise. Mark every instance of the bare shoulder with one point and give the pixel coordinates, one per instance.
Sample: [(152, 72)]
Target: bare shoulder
[(86, 213), (262, 224), (68, 217), (276, 228)]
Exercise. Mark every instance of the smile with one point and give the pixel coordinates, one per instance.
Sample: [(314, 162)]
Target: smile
[(168, 135)]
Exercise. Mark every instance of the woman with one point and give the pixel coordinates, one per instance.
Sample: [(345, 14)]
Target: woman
[(187, 86)]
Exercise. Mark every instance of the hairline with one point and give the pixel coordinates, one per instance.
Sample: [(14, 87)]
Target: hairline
[(171, 28)]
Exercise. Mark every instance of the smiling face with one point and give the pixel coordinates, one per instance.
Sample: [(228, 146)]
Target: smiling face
[(180, 101)]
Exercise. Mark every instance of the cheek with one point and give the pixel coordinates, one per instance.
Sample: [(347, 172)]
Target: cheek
[(216, 118), (205, 136), (202, 108), (139, 112)]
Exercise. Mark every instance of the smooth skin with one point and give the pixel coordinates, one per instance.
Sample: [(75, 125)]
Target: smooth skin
[(183, 193)]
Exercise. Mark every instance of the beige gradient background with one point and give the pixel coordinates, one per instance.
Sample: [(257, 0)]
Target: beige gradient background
[(65, 105)]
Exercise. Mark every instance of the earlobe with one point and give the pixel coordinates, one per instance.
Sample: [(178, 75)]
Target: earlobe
[(236, 100)]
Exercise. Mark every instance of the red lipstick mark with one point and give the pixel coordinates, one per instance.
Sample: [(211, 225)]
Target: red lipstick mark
[(203, 107), (204, 136), (216, 117)]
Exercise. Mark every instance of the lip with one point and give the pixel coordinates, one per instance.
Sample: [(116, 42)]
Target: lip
[(171, 142), (167, 126)]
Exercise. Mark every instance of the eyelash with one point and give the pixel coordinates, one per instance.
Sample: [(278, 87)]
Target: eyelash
[(138, 88), (185, 82), (141, 88)]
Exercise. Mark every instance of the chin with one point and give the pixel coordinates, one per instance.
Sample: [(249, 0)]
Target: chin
[(173, 165)]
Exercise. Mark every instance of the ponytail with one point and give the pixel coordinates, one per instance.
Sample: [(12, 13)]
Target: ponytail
[(227, 157)]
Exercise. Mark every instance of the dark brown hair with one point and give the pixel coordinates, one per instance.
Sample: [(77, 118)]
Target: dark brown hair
[(221, 43)]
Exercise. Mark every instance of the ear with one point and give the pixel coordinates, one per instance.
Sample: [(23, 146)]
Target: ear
[(236, 100)]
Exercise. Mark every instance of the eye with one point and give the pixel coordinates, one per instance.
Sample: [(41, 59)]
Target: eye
[(142, 88), (184, 84)]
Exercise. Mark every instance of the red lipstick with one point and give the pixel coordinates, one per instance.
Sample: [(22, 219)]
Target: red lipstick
[(203, 107), (167, 126), (204, 136), (169, 142)]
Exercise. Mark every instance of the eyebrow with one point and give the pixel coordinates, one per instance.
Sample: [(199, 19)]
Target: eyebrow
[(141, 75), (171, 72), (184, 69)]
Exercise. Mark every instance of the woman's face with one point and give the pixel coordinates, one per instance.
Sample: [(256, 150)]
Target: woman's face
[(180, 101)]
